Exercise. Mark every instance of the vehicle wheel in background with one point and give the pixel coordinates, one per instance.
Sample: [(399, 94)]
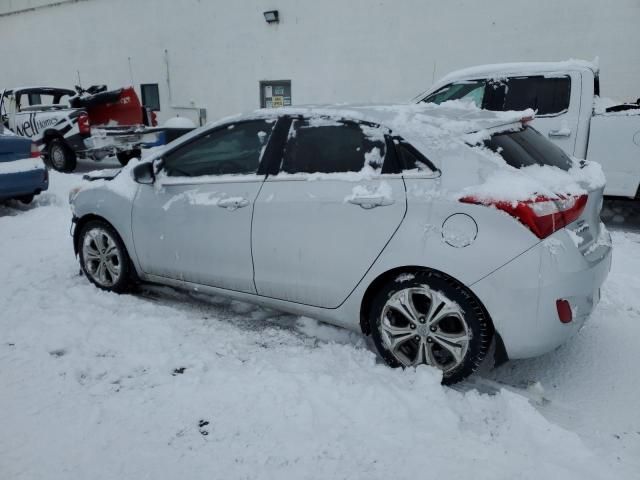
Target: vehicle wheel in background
[(103, 257), (26, 199), (429, 318), (60, 156), (124, 157)]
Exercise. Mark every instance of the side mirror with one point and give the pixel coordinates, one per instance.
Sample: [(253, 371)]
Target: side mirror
[(144, 173)]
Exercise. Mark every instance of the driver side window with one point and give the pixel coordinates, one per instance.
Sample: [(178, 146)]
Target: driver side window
[(232, 150)]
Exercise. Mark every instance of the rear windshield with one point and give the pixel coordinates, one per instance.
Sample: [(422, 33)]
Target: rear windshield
[(528, 147)]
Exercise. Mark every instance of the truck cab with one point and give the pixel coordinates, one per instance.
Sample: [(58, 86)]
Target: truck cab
[(563, 95)]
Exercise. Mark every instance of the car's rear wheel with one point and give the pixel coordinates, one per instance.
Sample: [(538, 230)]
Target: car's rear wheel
[(428, 318), (103, 257), (124, 157), (60, 156), (26, 199)]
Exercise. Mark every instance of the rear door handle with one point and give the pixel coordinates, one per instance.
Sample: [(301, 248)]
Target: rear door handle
[(370, 201), (563, 132), (233, 203)]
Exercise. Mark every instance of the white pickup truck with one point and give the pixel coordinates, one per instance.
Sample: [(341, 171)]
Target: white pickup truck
[(569, 110)]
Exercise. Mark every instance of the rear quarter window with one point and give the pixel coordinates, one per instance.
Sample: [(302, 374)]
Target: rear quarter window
[(528, 147)]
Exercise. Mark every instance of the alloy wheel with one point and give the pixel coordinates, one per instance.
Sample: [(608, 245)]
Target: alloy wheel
[(102, 257), (422, 326)]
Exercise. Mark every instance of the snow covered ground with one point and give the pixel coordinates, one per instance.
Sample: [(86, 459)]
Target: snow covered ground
[(167, 385)]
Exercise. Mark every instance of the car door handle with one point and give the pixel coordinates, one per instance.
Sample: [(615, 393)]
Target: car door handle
[(370, 201), (562, 132), (233, 203)]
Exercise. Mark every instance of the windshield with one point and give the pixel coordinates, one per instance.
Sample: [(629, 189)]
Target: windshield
[(471, 90), (528, 147)]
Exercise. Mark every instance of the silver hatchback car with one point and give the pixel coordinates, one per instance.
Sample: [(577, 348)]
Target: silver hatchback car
[(390, 220)]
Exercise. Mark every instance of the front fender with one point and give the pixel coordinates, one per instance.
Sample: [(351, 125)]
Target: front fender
[(111, 201)]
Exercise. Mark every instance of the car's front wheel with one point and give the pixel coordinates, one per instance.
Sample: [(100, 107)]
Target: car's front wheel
[(103, 257), (428, 318)]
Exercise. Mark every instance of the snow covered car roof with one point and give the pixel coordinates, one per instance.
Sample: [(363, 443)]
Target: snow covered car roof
[(523, 68), (455, 119)]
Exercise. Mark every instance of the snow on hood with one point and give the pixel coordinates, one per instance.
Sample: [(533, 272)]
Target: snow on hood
[(119, 181)]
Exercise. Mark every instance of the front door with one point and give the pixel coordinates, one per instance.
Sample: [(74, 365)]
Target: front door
[(322, 221), (194, 223)]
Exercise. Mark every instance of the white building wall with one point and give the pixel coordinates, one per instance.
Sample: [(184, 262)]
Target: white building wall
[(332, 50)]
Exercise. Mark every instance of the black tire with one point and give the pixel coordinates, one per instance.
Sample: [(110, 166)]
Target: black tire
[(60, 156), (26, 199), (124, 280), (477, 327), (124, 157)]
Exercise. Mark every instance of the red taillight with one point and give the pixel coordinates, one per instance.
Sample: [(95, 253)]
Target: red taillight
[(541, 215), (83, 124), (564, 311), (35, 151), (154, 119)]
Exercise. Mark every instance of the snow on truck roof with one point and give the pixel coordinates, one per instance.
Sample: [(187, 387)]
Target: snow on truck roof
[(523, 68)]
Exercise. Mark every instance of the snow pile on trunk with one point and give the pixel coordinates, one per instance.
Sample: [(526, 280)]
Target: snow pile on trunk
[(166, 385), (505, 183)]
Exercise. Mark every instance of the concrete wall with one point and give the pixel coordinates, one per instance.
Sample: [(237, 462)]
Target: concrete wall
[(332, 50)]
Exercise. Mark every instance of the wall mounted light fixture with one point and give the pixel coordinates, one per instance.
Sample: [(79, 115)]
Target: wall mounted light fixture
[(272, 16)]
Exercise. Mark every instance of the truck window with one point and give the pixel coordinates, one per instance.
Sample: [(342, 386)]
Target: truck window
[(471, 90), (528, 147), (547, 96)]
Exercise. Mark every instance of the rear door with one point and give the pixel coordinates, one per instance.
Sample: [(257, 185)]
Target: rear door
[(556, 100), (323, 219)]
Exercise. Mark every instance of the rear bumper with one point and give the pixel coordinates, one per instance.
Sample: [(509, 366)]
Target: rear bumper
[(521, 296), (20, 184)]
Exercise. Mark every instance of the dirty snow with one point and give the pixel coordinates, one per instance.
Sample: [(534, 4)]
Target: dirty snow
[(168, 385)]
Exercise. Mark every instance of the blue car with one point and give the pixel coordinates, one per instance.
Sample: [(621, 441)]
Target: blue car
[(23, 174)]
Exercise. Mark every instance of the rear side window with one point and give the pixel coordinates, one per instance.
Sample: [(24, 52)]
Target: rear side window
[(528, 147), (546, 95), (329, 146), (412, 159), (471, 90)]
